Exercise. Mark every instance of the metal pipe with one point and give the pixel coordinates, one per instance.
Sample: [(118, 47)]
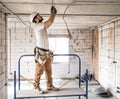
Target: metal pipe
[(86, 74), (111, 21), (14, 84), (114, 61), (76, 14), (9, 50), (78, 3), (114, 40)]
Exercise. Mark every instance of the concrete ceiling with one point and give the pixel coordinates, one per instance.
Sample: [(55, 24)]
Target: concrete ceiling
[(80, 14)]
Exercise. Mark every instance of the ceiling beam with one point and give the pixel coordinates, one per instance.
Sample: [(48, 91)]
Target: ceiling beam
[(75, 3), (70, 14), (111, 21)]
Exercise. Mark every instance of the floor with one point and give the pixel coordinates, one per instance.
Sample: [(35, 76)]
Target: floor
[(59, 83)]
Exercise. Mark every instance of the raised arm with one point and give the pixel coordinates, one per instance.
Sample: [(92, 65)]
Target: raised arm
[(51, 18)]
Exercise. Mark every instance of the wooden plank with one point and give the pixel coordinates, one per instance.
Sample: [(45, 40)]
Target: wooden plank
[(61, 93)]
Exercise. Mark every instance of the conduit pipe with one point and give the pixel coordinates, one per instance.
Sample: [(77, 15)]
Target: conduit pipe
[(114, 61), (75, 14), (111, 21), (95, 3), (80, 3)]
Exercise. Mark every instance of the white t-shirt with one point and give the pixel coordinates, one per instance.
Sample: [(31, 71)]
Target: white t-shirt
[(41, 36)]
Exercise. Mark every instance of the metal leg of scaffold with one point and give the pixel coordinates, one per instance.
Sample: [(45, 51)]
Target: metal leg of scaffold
[(14, 84), (86, 83)]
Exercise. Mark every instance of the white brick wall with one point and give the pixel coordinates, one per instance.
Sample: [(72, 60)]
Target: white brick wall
[(109, 51), (19, 42), (81, 44), (3, 57)]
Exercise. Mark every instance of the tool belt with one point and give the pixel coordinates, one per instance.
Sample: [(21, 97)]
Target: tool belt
[(41, 55)]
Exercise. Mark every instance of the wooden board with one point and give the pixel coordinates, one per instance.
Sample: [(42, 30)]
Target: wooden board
[(65, 92)]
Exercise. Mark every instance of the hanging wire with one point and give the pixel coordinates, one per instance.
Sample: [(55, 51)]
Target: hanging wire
[(70, 35), (52, 3), (65, 20), (30, 31)]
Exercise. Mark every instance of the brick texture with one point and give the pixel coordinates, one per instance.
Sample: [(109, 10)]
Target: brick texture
[(109, 51), (3, 57), (81, 44)]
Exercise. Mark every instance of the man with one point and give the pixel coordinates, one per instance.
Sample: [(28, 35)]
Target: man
[(43, 56)]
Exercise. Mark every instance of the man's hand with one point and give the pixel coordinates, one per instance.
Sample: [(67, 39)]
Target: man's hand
[(53, 10), (51, 18)]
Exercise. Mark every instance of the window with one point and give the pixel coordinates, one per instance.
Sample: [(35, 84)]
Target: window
[(59, 45)]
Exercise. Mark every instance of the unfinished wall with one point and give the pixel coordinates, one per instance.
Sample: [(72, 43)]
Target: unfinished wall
[(20, 41), (81, 44), (109, 55), (3, 57)]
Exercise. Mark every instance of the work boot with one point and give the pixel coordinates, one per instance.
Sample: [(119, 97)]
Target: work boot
[(38, 90), (52, 88)]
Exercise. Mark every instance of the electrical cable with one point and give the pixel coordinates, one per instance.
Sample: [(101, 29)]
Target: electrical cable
[(52, 3), (65, 20), (70, 35)]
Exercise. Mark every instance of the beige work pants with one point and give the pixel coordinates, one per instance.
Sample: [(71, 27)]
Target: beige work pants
[(39, 71)]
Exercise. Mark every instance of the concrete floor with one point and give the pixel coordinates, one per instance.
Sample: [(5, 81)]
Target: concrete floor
[(58, 83)]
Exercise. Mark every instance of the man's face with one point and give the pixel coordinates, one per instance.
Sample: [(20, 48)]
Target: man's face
[(38, 19)]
